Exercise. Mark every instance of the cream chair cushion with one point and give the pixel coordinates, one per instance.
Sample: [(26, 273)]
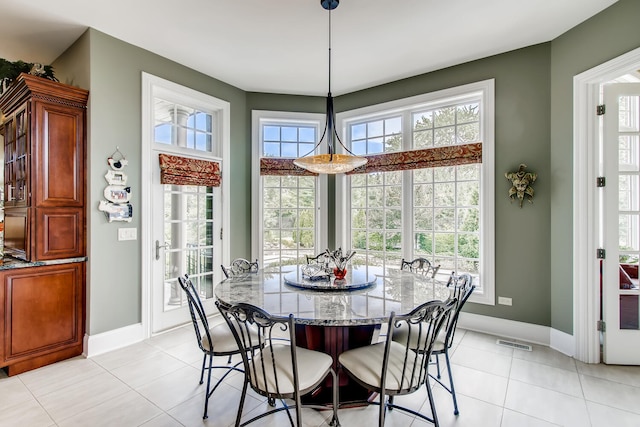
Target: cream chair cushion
[(400, 335), (365, 363), (223, 339), (312, 368)]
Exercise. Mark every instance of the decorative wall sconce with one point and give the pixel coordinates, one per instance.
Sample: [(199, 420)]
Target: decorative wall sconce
[(521, 184)]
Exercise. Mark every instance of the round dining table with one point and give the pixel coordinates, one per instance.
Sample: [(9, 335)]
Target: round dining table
[(334, 315)]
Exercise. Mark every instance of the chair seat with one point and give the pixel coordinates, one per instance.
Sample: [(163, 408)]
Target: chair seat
[(312, 368), (401, 332), (365, 363), (223, 340)]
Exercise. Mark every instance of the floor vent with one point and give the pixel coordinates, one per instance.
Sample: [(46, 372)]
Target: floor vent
[(513, 344)]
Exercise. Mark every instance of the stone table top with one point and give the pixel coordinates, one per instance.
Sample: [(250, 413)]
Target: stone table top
[(392, 290)]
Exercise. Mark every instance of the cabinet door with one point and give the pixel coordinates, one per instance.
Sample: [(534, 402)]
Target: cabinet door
[(16, 158), (58, 155), (59, 233), (43, 311)]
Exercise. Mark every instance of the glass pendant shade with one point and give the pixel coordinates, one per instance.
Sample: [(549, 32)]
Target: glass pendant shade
[(330, 163)]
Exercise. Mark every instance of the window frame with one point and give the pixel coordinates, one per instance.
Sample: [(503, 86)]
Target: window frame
[(258, 118), (485, 89)]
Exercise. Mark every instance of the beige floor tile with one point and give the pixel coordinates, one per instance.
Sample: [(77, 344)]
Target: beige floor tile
[(546, 376), (605, 416), (82, 395), (548, 405), (162, 420), (173, 338), (144, 371), (13, 392), (174, 388), (480, 385), (546, 356), (188, 352), (26, 414), (129, 409), (473, 412), (130, 354), (368, 416), (223, 407), (622, 374), (50, 378), (611, 393), (310, 417), (485, 342), (515, 419), (486, 361)]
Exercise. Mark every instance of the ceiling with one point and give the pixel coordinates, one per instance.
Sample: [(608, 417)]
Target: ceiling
[(282, 46)]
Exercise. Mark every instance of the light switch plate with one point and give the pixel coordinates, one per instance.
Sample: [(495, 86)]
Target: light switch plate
[(504, 300), (127, 233)]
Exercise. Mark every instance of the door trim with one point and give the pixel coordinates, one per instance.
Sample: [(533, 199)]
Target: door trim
[(146, 250), (586, 233)]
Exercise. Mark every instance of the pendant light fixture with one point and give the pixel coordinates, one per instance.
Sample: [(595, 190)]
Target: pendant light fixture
[(332, 162)]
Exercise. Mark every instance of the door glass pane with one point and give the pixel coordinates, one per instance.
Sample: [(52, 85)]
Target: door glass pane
[(628, 209), (188, 229), (183, 126)]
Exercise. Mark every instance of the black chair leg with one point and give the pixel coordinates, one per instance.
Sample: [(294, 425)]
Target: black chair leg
[(244, 394), (453, 390), (206, 398), (432, 404), (438, 364), (204, 360), (229, 360)]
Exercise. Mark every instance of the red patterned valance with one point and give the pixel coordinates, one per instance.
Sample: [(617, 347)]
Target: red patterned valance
[(178, 170), (282, 167), (451, 155)]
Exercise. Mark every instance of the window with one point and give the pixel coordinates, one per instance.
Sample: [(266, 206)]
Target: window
[(442, 213), (289, 216)]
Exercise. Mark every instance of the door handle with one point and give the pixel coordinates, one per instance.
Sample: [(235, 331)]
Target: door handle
[(159, 246)]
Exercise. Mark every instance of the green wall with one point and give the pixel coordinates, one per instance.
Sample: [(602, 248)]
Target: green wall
[(115, 84), (533, 125), (609, 34)]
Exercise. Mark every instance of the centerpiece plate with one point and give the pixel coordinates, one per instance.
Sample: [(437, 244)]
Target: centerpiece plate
[(323, 281)]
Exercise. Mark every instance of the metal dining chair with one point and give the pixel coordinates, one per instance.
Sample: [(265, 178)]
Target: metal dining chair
[(421, 266), (461, 289), (273, 368), (216, 341), (240, 266), (398, 367)]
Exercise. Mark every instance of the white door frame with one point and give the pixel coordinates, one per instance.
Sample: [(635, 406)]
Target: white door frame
[(146, 250), (587, 165)]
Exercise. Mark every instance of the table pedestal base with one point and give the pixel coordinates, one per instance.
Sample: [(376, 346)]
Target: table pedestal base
[(334, 340)]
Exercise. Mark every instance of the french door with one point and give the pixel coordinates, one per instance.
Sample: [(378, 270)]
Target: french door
[(182, 227), (621, 217), (186, 240)]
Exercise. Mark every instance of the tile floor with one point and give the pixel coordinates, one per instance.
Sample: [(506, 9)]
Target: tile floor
[(155, 383)]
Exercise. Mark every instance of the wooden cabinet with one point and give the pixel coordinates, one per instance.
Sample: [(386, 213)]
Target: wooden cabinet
[(44, 166), (43, 315)]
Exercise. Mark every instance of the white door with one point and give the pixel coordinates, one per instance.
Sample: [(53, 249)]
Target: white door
[(621, 214), (186, 240)]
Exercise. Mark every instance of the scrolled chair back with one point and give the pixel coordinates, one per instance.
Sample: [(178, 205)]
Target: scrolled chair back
[(406, 368), (255, 329), (461, 287), (240, 266), (198, 315), (420, 266)]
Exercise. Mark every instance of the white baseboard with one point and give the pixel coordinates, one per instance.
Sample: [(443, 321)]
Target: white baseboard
[(521, 331), (563, 342), (112, 340)]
